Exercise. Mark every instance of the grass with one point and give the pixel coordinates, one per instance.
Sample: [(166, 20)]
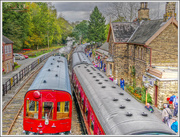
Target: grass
[(36, 53), (16, 67)]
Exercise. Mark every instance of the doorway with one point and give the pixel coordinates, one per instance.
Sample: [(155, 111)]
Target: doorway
[(156, 95)]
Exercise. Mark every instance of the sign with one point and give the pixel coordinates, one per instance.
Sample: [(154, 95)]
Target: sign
[(148, 81)]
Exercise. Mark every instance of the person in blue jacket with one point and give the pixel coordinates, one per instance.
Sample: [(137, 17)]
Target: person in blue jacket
[(122, 83), (174, 125)]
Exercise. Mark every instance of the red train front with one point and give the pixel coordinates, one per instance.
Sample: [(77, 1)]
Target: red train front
[(48, 102)]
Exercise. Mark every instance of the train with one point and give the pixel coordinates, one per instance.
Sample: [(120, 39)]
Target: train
[(48, 101), (106, 109)]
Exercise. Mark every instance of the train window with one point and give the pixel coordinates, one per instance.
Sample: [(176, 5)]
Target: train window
[(47, 110), (32, 108), (66, 108), (82, 102), (62, 110), (92, 127)]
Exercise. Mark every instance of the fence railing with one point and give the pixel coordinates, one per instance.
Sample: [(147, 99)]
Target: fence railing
[(20, 75)]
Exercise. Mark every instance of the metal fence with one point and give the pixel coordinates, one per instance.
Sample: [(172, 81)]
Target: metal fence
[(19, 76)]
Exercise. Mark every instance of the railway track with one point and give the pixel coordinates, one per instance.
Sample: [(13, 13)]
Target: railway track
[(12, 113), (14, 106)]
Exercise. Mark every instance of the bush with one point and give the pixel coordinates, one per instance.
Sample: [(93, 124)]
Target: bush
[(149, 98), (15, 64), (134, 83), (131, 89), (138, 90)]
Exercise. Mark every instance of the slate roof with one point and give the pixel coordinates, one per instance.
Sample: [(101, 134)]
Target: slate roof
[(145, 31), (6, 40), (123, 30), (104, 49)]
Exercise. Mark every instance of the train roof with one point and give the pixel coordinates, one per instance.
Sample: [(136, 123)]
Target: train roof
[(79, 58), (106, 99), (65, 49), (54, 75), (81, 48)]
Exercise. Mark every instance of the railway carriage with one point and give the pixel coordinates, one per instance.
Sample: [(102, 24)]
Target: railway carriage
[(48, 101), (106, 108)]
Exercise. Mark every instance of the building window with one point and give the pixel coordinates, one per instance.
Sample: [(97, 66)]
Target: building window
[(139, 53), (142, 54)]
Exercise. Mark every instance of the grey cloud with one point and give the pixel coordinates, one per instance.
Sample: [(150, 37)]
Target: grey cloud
[(78, 11)]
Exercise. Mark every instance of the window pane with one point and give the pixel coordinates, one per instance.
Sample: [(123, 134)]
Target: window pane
[(37, 106), (58, 106), (32, 108), (47, 110), (66, 109), (31, 105)]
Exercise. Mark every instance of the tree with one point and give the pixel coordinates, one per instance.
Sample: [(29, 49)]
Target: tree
[(80, 31), (96, 28), (33, 24), (123, 11)]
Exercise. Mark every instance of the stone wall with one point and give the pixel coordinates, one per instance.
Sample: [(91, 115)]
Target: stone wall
[(165, 47), (165, 89), (138, 57), (8, 65), (120, 62)]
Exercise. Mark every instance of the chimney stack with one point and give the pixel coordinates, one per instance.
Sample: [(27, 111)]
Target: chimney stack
[(143, 12), (170, 10)]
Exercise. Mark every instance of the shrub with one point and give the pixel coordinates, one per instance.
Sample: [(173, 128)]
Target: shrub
[(138, 90), (149, 98), (15, 64), (134, 83), (131, 89)]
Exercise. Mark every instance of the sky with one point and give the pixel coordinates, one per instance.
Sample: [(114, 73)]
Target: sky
[(78, 11)]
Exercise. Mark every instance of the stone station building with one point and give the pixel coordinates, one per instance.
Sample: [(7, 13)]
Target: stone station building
[(145, 46)]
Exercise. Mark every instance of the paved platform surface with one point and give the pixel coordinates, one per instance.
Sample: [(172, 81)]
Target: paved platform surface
[(157, 112), (23, 64)]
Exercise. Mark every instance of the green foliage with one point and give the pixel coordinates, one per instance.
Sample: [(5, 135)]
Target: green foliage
[(130, 89), (107, 30), (137, 90), (81, 31), (15, 64), (133, 71), (149, 98), (33, 25), (96, 28), (134, 83)]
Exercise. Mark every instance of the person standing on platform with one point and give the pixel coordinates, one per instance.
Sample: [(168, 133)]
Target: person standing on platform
[(175, 105), (122, 83), (115, 81), (101, 64), (165, 115)]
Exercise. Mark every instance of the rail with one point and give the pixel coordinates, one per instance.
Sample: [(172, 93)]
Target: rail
[(20, 75)]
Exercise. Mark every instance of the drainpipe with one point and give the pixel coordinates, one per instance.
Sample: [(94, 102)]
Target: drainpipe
[(150, 53)]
